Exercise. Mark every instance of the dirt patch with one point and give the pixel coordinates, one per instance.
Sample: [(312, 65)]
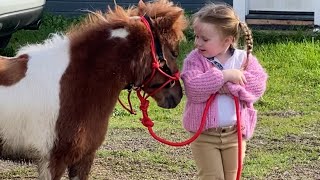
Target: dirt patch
[(284, 114), (137, 139), (302, 171)]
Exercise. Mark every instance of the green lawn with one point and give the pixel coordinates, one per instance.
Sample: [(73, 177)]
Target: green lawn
[(286, 144)]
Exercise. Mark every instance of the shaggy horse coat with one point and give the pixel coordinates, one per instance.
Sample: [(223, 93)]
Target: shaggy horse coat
[(56, 97)]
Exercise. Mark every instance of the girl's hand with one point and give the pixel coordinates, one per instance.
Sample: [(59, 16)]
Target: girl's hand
[(224, 90), (234, 75)]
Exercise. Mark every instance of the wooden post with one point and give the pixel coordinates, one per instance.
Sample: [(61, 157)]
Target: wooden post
[(241, 7), (316, 6)]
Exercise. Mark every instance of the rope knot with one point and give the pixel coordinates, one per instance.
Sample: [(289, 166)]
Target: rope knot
[(146, 121), (176, 76), (155, 65), (144, 105)]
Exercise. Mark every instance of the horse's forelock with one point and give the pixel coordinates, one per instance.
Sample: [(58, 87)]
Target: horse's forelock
[(165, 9)]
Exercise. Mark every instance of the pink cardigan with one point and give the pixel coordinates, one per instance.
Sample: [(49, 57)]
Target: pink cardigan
[(201, 79)]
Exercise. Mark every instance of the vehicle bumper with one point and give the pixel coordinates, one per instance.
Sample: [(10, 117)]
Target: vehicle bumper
[(26, 19)]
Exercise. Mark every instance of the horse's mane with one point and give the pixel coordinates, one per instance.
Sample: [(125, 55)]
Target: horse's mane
[(117, 15), (160, 8)]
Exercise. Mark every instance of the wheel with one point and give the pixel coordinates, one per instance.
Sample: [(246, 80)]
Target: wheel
[(4, 40)]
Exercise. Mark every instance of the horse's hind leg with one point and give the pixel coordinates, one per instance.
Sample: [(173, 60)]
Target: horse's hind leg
[(81, 169)]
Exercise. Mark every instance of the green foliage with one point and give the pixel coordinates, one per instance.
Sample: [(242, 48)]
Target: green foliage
[(294, 70), (50, 24), (55, 23)]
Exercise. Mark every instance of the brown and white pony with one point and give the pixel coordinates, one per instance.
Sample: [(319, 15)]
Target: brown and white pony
[(56, 97)]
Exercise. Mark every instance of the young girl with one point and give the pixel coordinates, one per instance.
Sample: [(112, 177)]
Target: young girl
[(215, 66)]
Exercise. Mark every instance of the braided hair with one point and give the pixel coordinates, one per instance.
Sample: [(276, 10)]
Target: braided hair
[(248, 40)]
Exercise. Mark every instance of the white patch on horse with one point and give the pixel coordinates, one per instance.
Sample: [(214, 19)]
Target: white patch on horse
[(121, 33), (29, 109), (135, 17)]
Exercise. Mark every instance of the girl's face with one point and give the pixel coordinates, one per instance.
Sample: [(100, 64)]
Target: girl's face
[(209, 41)]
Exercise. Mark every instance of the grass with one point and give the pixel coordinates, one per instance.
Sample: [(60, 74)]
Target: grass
[(286, 144)]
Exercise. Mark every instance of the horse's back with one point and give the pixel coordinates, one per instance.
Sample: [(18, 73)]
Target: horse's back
[(29, 108)]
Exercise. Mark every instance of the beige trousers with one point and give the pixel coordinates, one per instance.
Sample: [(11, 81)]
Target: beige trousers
[(216, 154)]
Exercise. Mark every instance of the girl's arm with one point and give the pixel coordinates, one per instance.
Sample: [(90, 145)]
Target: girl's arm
[(200, 84), (256, 78)]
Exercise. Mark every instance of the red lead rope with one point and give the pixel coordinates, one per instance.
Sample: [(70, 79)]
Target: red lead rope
[(146, 122), (236, 101)]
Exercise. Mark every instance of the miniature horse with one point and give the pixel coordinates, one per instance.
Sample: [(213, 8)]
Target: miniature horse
[(56, 97)]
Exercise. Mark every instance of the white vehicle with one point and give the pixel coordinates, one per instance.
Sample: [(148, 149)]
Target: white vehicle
[(19, 14)]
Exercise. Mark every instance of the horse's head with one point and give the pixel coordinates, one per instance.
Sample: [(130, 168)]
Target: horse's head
[(117, 47), (167, 23)]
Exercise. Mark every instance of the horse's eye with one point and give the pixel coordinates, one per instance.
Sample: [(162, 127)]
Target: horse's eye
[(175, 54)]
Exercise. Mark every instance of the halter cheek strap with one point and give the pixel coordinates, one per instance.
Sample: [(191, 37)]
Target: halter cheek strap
[(156, 40)]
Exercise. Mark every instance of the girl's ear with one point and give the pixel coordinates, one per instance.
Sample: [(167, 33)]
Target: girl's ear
[(229, 40)]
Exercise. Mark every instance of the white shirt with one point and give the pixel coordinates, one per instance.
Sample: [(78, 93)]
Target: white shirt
[(226, 110)]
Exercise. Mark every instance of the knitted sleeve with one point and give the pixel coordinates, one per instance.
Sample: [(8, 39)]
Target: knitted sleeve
[(200, 83), (256, 83)]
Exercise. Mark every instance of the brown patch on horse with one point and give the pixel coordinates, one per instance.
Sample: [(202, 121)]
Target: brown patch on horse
[(12, 70)]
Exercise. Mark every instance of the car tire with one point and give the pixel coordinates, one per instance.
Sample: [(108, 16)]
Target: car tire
[(4, 40)]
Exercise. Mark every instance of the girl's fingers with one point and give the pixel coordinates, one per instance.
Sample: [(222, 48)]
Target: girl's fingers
[(226, 90), (241, 82), (223, 90), (244, 78)]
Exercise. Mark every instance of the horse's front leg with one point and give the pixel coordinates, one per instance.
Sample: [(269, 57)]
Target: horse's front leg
[(81, 169), (52, 169)]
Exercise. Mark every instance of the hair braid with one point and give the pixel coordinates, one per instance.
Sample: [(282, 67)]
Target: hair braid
[(248, 39)]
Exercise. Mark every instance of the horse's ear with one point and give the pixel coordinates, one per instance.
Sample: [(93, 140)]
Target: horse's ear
[(167, 21), (142, 8)]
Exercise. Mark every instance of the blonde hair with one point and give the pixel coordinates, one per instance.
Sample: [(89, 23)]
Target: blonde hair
[(227, 22)]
